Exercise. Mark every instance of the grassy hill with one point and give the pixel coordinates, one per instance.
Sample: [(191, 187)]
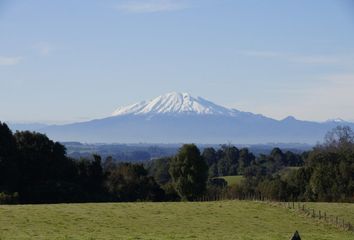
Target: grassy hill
[(187, 220)]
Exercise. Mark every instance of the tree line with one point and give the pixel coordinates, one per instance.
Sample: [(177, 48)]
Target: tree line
[(35, 169), (228, 160), (327, 173)]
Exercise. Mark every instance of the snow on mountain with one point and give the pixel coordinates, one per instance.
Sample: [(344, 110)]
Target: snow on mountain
[(175, 103), (289, 118), (181, 118), (336, 120)]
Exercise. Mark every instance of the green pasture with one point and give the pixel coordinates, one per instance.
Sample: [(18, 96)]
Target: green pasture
[(184, 220)]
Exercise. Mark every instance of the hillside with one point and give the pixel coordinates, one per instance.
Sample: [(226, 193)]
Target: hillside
[(188, 220)]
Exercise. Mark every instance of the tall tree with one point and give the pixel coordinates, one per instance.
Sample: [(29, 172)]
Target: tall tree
[(159, 170), (189, 172), (340, 138), (244, 160), (209, 155), (8, 160), (44, 168)]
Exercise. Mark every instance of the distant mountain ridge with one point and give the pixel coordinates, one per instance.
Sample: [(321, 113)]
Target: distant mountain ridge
[(181, 118)]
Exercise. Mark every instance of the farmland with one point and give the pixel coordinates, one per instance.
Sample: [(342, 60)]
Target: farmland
[(184, 220)]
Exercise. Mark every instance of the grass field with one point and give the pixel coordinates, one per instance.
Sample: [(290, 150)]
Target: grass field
[(232, 180), (207, 220)]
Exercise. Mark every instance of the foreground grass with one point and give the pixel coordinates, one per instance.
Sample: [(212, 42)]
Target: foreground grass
[(207, 220)]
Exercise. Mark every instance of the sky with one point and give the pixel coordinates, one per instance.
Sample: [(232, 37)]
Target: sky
[(71, 60)]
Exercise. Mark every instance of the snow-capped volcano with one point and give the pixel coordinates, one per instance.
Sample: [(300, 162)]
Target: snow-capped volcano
[(175, 103), (181, 118)]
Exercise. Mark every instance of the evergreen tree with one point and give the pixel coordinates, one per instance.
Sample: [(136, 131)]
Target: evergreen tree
[(189, 172)]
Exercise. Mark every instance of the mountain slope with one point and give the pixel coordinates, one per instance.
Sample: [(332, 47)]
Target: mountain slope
[(181, 118), (173, 104)]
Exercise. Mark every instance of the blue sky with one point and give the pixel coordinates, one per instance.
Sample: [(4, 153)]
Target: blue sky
[(63, 61)]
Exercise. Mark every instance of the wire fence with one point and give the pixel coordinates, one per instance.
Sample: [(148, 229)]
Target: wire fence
[(299, 207), (320, 215)]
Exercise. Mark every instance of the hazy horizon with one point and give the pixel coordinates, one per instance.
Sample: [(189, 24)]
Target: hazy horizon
[(147, 101)]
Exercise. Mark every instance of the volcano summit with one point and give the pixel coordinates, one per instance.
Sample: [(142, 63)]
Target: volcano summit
[(180, 118)]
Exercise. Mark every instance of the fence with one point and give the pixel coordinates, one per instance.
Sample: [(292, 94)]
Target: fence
[(300, 207), (322, 216)]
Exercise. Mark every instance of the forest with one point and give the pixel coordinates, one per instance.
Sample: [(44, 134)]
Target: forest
[(35, 169)]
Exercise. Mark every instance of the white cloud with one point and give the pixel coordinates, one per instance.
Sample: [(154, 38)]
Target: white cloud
[(43, 48), (8, 61), (151, 6)]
